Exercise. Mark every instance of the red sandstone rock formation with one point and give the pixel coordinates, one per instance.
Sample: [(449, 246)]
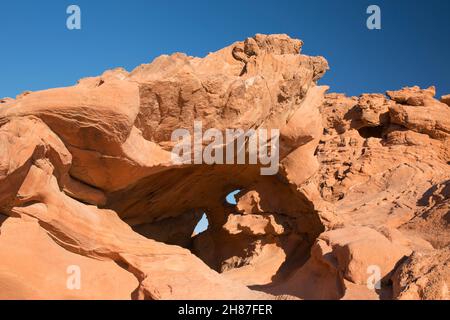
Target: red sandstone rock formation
[(86, 179)]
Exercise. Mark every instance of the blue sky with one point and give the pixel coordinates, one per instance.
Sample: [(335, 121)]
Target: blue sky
[(202, 225), (38, 51)]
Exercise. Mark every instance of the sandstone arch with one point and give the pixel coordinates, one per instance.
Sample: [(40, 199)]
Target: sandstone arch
[(89, 168)]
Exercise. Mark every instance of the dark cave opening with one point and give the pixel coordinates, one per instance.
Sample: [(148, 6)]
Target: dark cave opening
[(371, 132)]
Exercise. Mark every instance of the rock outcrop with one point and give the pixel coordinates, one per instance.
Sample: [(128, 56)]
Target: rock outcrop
[(358, 207)]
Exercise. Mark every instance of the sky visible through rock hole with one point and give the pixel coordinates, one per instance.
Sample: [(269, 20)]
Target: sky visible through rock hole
[(203, 223)]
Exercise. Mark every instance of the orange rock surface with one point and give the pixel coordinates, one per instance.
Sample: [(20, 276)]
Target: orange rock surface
[(359, 208)]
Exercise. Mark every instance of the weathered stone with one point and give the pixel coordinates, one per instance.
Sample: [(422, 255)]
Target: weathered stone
[(87, 178)]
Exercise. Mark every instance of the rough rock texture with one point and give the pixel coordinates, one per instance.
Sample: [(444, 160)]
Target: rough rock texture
[(423, 276), (87, 180)]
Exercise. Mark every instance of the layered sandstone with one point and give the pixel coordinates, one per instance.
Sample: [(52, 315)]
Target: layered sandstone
[(87, 179)]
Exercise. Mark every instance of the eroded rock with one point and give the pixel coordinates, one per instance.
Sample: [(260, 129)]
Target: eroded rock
[(86, 175), (423, 276)]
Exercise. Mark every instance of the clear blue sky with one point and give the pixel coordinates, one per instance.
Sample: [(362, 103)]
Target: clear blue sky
[(38, 52)]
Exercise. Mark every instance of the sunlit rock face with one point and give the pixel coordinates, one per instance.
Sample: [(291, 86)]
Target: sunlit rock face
[(88, 180)]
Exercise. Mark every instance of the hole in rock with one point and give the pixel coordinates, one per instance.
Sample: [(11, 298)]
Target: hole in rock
[(202, 225), (262, 244), (371, 132), (230, 198)]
